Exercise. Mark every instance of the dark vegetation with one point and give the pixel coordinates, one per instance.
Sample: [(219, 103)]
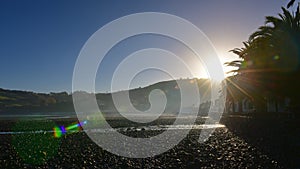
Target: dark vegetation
[(269, 67), (29, 102)]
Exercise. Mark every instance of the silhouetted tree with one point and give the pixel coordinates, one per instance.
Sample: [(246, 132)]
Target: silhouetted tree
[(290, 3), (271, 58)]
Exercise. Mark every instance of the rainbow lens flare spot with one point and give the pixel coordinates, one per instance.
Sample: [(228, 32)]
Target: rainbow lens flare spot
[(61, 130), (57, 132)]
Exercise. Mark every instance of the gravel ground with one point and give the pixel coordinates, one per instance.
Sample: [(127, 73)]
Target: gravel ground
[(224, 149)]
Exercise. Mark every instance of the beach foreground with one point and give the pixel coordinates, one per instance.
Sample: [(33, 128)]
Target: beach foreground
[(224, 149)]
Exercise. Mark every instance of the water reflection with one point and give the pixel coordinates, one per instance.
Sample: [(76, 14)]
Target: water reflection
[(124, 129)]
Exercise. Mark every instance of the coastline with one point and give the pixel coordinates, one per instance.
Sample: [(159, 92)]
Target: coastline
[(238, 145)]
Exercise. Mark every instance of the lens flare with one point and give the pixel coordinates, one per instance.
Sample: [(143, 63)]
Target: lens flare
[(61, 130)]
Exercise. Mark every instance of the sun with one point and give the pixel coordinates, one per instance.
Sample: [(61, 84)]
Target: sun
[(227, 57)]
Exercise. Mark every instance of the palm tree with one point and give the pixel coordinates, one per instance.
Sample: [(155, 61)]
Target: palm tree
[(271, 57), (290, 3), (282, 38)]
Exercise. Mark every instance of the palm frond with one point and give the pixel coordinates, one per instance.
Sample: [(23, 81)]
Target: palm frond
[(235, 63), (290, 3)]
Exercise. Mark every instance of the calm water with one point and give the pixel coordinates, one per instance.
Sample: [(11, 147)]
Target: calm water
[(38, 116), (140, 128), (59, 115)]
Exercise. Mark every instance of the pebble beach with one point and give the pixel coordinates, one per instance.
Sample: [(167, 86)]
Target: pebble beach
[(223, 149)]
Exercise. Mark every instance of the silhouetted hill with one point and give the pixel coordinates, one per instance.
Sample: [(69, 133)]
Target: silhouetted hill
[(14, 101), (140, 97), (26, 102)]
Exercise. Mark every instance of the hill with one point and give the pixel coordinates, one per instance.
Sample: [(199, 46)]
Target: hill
[(14, 101)]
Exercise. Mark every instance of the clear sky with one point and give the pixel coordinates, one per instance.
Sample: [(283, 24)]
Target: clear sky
[(40, 40)]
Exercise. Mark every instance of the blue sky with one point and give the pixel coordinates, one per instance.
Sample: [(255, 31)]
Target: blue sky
[(40, 40)]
